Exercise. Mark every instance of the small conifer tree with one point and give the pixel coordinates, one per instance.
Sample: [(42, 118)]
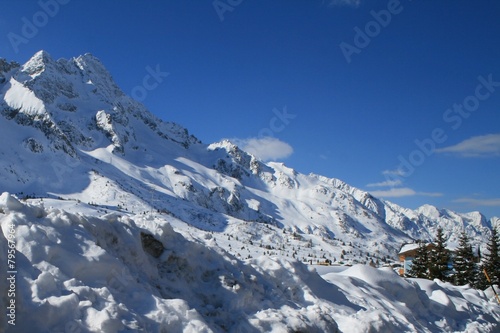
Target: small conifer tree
[(439, 258), (464, 262), (491, 259), (420, 264)]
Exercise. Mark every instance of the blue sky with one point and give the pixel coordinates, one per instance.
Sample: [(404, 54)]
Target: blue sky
[(400, 98)]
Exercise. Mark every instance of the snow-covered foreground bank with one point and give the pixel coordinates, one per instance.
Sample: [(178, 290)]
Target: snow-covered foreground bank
[(117, 273), (393, 304)]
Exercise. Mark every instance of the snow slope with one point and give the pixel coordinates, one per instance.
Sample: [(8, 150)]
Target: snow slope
[(83, 273), (74, 141)]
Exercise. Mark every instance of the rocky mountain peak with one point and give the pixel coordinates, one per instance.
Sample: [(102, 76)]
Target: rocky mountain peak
[(77, 103), (68, 119), (37, 64), (96, 74)]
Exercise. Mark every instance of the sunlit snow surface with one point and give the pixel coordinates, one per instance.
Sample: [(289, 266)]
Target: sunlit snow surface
[(98, 169), (88, 272)]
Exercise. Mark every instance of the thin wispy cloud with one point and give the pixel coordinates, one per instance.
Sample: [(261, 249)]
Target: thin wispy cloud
[(396, 188), (398, 192), (387, 183), (265, 148), (396, 172), (495, 202), (477, 146), (394, 192)]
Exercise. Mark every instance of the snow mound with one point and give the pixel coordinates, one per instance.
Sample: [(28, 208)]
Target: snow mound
[(81, 273), (389, 303), (9, 203), (116, 273)]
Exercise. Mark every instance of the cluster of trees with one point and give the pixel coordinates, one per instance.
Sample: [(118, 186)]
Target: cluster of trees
[(433, 262)]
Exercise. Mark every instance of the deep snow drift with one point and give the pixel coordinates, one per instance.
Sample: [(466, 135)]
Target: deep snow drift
[(111, 272)]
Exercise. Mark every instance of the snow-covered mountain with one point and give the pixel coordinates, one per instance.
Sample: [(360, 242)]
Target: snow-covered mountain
[(69, 131), (73, 140)]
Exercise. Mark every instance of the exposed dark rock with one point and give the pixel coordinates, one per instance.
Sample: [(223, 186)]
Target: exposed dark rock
[(33, 145), (151, 245)]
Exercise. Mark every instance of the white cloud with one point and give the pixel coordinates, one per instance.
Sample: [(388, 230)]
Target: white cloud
[(396, 172), (394, 192), (398, 192), (479, 202), (266, 148), (477, 146), (387, 183), (351, 3)]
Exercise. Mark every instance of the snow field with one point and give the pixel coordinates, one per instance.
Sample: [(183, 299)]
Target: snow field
[(89, 274), (84, 273), (394, 304)]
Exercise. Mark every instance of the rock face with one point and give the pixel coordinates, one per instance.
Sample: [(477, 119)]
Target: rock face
[(68, 130), (76, 104), (151, 245)]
